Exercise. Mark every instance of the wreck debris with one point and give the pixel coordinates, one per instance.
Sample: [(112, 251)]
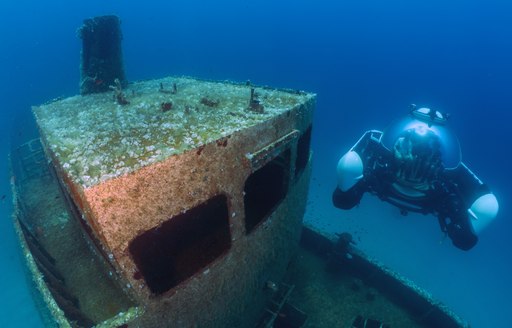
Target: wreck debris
[(343, 245), (118, 93), (254, 103), (166, 106), (209, 102), (187, 109), (173, 91)]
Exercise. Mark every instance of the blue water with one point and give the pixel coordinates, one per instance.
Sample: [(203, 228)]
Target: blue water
[(367, 60)]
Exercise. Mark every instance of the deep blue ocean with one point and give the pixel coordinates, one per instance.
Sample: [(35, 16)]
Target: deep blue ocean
[(367, 61)]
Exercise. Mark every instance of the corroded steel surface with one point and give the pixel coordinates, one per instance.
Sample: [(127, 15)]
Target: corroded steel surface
[(130, 168)]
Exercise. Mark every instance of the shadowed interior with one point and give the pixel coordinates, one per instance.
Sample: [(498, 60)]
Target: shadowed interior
[(265, 189), (174, 251)]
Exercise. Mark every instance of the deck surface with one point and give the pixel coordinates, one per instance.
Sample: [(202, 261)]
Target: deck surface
[(55, 232), (94, 138), (334, 299)]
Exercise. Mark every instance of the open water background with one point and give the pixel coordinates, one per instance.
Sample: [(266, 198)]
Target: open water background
[(366, 60)]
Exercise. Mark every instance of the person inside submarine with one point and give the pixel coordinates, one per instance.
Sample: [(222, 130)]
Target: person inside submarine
[(415, 164)]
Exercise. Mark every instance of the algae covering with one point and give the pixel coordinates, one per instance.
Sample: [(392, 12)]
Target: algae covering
[(69, 280), (101, 136), (145, 165), (334, 298)]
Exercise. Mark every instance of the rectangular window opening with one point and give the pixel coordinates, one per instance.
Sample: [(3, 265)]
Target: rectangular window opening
[(265, 189), (303, 149), (181, 246)]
